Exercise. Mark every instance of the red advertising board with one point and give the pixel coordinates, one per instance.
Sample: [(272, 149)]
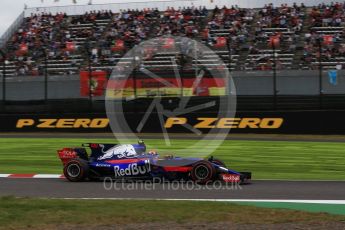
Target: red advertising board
[(98, 83)]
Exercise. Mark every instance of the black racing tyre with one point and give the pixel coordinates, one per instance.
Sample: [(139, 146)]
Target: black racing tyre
[(76, 170), (245, 177), (218, 162), (203, 172)]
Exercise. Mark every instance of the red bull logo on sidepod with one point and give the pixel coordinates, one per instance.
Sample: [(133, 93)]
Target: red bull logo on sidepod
[(133, 169)]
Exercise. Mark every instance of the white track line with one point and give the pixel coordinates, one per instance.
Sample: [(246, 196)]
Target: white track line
[(47, 176), (299, 180), (29, 176), (4, 175), (342, 202)]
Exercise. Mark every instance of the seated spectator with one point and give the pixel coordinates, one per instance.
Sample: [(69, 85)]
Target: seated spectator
[(328, 15)]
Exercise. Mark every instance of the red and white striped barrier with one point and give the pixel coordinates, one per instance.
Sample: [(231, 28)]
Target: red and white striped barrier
[(41, 176)]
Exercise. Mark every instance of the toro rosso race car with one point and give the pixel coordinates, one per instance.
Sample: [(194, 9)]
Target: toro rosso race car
[(131, 161)]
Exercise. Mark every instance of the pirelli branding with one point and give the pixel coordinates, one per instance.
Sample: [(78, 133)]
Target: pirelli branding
[(64, 123), (226, 123), (171, 123)]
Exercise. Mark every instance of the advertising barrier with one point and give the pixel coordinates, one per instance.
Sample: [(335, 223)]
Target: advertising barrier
[(288, 122), (148, 87)]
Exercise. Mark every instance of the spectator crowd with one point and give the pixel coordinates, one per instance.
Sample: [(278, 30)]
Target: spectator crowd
[(249, 33)]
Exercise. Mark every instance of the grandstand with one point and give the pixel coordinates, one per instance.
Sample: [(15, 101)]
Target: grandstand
[(273, 39), (112, 34)]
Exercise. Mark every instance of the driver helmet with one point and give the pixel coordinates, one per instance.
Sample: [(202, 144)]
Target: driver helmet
[(152, 152)]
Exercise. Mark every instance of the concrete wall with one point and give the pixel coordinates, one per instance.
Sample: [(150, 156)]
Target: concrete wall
[(288, 83), (246, 83)]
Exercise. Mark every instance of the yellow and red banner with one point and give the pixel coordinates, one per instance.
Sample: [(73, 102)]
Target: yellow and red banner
[(167, 87)]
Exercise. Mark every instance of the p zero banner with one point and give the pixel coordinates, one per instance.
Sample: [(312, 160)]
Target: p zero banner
[(169, 87), (289, 122), (96, 84)]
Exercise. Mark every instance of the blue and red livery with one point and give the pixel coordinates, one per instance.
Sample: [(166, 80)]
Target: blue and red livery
[(131, 161)]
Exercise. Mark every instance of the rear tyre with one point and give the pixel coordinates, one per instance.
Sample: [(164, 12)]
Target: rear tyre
[(203, 172), (76, 170)]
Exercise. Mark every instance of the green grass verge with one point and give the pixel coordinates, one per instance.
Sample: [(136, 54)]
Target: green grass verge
[(26, 213), (266, 159), (309, 207)]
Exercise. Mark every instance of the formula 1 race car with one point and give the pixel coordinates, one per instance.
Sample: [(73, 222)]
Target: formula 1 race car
[(131, 161)]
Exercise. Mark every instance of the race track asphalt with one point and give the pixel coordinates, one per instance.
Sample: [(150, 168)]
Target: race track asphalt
[(61, 188), (271, 189)]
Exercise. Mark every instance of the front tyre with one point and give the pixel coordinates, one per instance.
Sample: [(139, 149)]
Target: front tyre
[(203, 172), (76, 170), (218, 162)]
